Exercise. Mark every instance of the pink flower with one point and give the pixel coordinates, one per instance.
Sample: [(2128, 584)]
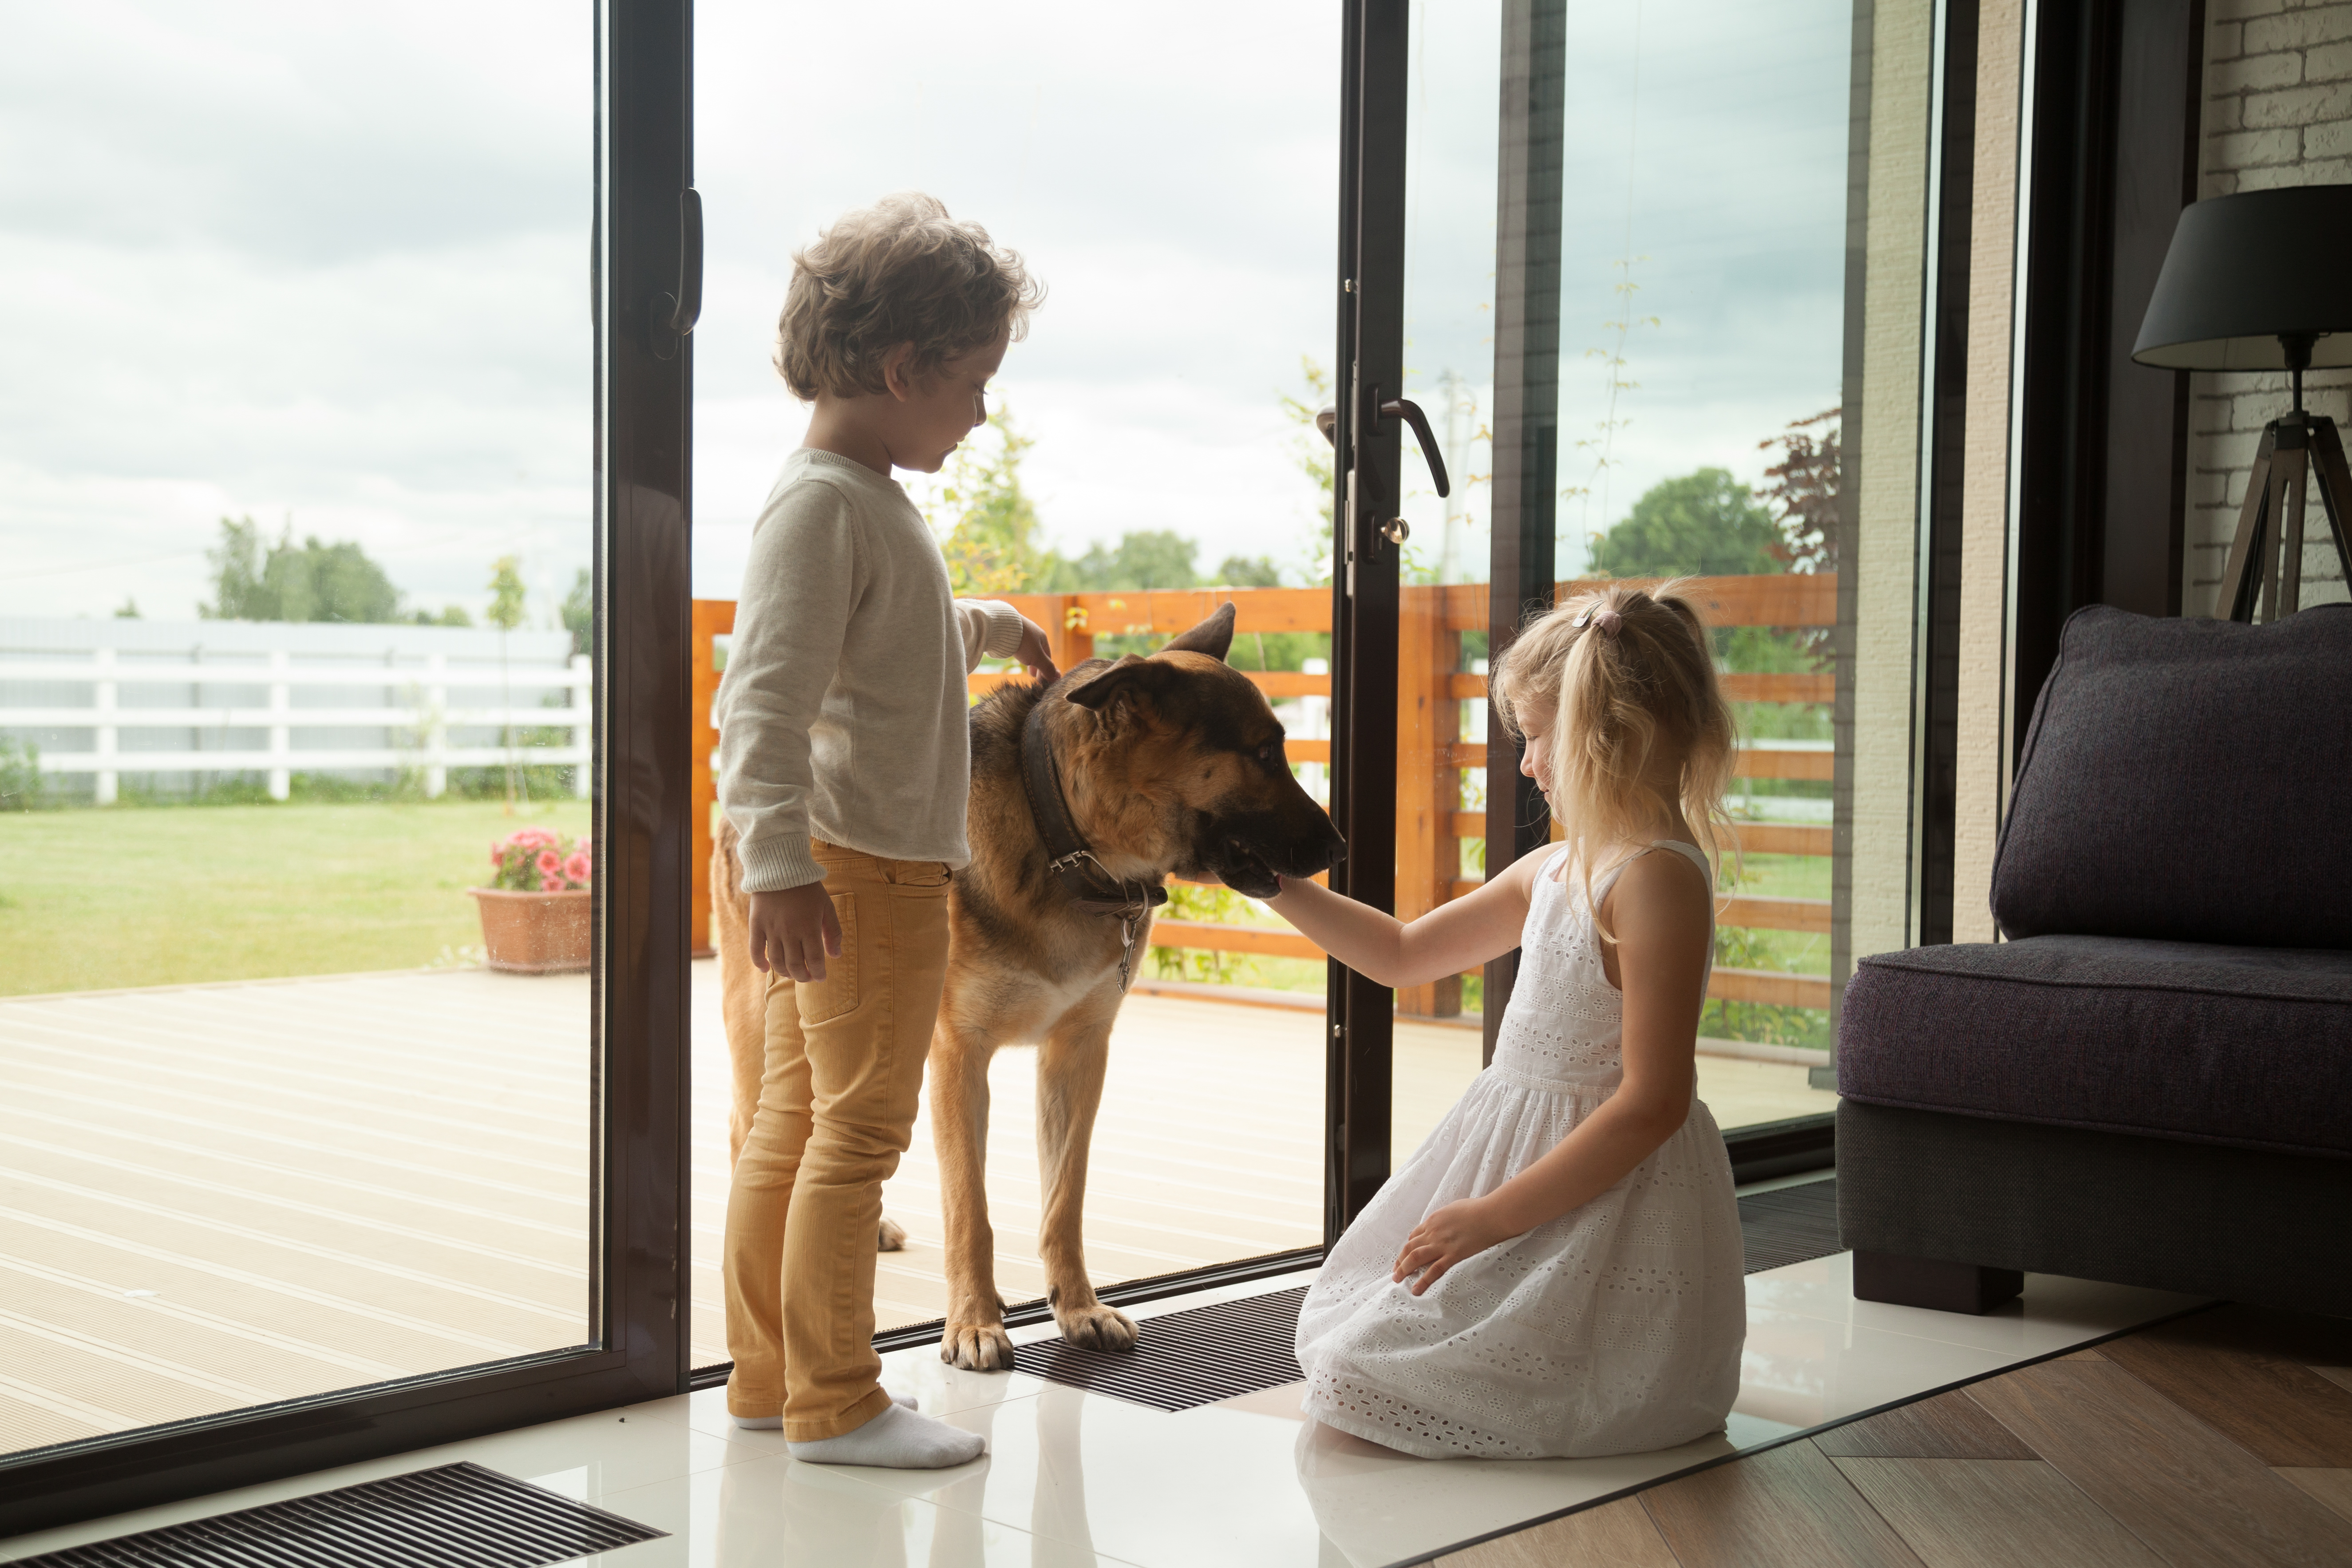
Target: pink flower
[(498, 854), (550, 863), (551, 885), (578, 867)]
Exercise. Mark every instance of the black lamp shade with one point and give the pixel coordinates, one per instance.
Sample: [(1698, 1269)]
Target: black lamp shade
[(2244, 268)]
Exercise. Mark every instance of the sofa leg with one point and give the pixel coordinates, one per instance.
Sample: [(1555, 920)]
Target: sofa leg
[(1928, 1282)]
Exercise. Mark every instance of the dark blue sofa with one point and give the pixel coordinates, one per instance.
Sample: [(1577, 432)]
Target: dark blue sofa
[(2150, 1081)]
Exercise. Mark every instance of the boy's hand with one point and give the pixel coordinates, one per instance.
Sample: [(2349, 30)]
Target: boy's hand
[(1457, 1231), (1035, 654), (794, 930)]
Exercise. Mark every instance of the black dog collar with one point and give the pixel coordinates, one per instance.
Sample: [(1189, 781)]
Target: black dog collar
[(1092, 890)]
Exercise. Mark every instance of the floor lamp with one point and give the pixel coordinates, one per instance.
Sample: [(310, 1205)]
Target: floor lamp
[(2259, 281)]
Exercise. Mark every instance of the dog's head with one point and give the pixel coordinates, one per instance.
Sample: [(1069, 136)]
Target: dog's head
[(1185, 762)]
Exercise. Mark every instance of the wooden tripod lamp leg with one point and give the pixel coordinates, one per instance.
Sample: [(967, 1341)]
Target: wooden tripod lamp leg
[(2234, 601), (2283, 593), (2334, 488)]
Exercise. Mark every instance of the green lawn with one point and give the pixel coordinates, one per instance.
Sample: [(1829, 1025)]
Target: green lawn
[(96, 899)]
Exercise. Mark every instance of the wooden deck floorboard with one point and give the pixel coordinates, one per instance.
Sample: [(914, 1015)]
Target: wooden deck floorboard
[(215, 1196)]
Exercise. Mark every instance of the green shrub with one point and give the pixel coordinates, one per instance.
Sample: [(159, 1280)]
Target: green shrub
[(21, 787)]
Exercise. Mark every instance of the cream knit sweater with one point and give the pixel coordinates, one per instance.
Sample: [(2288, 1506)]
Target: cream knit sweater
[(842, 715)]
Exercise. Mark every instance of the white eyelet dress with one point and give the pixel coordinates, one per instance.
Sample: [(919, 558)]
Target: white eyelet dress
[(1614, 1328)]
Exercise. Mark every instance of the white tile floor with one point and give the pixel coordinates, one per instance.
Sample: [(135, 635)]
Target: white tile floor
[(1074, 1479)]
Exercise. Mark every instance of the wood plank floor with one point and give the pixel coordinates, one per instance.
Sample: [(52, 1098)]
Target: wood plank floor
[(215, 1196), (1209, 1147), (2208, 1440)]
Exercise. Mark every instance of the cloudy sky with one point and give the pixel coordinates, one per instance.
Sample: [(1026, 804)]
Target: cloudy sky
[(317, 264)]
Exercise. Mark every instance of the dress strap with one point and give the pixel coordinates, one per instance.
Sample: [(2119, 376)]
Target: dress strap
[(1690, 852)]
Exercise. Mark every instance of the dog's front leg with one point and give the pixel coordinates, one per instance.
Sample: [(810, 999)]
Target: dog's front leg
[(975, 1336), (1069, 1091)]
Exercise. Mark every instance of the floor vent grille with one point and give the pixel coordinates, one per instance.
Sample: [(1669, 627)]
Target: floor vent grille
[(1197, 1356), (1790, 1225), (454, 1516), (1206, 1354)]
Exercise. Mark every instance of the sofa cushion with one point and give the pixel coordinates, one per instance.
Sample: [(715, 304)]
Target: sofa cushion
[(2249, 1047), (2185, 780)]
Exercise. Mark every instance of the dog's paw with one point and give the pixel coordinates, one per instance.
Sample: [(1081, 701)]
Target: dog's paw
[(977, 1347), (1096, 1327), (893, 1237)]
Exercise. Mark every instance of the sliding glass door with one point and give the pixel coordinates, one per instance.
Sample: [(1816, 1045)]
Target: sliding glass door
[(1150, 456), (341, 679), (1609, 258)]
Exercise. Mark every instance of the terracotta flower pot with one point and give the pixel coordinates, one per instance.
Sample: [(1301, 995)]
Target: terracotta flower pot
[(534, 934)]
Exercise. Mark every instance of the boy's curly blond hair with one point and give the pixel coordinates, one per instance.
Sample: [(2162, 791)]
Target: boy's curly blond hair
[(901, 271)]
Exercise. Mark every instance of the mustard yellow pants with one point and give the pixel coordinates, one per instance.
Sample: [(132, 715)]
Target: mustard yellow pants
[(844, 1068)]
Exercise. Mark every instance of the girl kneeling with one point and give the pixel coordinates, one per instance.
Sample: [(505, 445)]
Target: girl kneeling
[(1556, 1271)]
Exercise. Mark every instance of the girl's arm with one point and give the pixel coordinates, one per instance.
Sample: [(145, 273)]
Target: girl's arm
[(1453, 936), (1659, 911)]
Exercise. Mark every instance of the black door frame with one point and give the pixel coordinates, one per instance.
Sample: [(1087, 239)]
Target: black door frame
[(1525, 560), (2112, 127), (1360, 1014), (644, 58)]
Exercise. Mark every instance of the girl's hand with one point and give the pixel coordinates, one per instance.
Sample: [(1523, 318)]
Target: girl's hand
[(1457, 1231), (1036, 653)]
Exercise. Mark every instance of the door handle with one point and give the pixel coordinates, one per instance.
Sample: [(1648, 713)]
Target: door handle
[(1326, 420), (1363, 504), (676, 312), (1409, 411)]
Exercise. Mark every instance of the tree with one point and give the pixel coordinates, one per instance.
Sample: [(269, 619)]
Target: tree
[(580, 612), (1147, 558), (1801, 488), (1705, 524), (506, 613), (506, 593), (1314, 454), (309, 582), (991, 546), (237, 563), (450, 616), (1248, 572), (128, 610)]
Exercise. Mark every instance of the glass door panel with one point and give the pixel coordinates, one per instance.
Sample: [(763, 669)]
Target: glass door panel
[(1151, 456), (1690, 291), (296, 639), (1450, 173)]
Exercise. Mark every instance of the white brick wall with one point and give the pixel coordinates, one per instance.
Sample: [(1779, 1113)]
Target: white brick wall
[(2278, 111)]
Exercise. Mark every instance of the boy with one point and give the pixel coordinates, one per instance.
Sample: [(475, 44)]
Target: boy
[(844, 762)]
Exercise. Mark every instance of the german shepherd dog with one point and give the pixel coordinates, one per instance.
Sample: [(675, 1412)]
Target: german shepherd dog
[(1170, 765)]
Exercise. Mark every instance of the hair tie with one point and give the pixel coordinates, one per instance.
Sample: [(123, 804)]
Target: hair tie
[(1608, 622)]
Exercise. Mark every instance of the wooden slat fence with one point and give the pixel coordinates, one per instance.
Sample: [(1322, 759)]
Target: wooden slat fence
[(1433, 753)]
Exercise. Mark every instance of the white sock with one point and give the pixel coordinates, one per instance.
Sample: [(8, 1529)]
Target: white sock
[(898, 1439), (776, 1423)]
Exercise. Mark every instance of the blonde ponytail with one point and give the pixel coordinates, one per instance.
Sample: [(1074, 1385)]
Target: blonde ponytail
[(1627, 673)]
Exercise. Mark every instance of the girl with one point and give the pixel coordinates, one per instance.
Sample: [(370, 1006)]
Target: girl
[(1558, 1271)]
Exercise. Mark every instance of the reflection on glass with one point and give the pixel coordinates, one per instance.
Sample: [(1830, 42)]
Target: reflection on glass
[(1702, 269), (1151, 453), (295, 629)]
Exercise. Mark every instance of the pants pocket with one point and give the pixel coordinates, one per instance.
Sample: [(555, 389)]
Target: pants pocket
[(837, 992)]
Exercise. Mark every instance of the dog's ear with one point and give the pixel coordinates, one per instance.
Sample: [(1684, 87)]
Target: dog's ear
[(1212, 636), (1130, 678)]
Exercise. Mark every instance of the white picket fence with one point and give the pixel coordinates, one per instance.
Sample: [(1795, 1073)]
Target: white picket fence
[(206, 698)]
